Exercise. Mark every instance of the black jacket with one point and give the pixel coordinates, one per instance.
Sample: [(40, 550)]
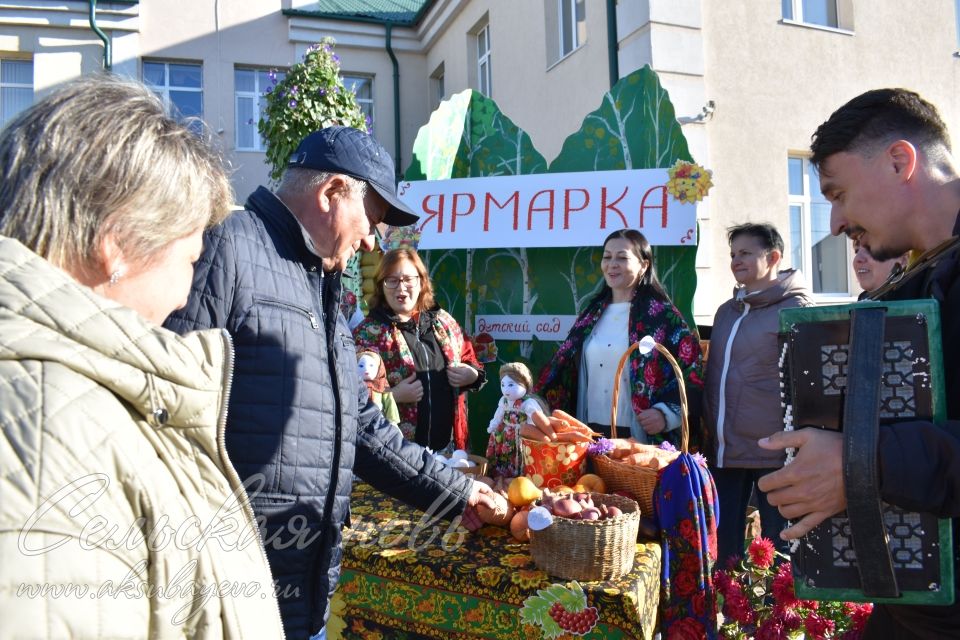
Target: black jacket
[(919, 461), (300, 424)]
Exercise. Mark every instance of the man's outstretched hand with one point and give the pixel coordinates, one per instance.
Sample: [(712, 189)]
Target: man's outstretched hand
[(481, 494), (810, 489)]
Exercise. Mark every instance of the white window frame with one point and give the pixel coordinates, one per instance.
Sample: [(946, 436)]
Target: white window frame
[(956, 16), (350, 81), (569, 30), (811, 196), (257, 96), (164, 90), (16, 85), (797, 15), (437, 86), (484, 61)]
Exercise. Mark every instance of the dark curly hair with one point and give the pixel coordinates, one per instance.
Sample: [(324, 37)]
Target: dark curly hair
[(875, 119)]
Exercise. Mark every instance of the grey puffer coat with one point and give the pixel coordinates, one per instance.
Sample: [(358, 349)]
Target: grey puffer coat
[(742, 387)]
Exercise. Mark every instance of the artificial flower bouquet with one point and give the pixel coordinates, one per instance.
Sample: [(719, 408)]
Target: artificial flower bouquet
[(757, 601)]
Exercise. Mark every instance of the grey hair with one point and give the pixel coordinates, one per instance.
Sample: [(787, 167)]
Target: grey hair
[(297, 181), (102, 156)]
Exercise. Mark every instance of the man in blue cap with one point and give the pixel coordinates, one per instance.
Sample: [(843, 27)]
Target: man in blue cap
[(300, 423)]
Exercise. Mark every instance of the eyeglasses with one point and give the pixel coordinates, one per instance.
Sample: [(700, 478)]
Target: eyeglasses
[(408, 281)]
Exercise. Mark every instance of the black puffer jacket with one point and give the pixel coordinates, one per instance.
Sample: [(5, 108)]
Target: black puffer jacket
[(300, 425)]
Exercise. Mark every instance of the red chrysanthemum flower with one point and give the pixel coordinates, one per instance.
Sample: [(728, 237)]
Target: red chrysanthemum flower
[(782, 587), (818, 627), (761, 552), (771, 629)]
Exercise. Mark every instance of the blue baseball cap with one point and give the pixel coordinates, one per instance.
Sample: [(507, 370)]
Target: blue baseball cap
[(352, 152)]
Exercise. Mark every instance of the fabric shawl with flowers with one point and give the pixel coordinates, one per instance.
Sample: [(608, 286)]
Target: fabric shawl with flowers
[(651, 377), (378, 334), (686, 508)]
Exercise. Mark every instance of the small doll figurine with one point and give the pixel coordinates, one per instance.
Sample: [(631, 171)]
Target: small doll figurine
[(515, 409), (374, 374)]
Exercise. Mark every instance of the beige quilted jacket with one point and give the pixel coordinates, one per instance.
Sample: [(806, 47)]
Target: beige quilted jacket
[(120, 513)]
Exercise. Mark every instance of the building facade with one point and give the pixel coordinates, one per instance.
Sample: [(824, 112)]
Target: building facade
[(750, 81)]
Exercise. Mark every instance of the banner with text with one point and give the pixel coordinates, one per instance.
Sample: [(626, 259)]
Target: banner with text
[(524, 327), (552, 209)]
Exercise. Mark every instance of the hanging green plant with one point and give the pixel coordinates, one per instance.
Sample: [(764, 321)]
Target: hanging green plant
[(311, 96)]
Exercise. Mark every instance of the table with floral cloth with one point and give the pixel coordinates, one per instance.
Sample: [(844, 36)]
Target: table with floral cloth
[(405, 576)]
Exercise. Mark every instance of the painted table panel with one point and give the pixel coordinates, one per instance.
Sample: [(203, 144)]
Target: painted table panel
[(406, 576)]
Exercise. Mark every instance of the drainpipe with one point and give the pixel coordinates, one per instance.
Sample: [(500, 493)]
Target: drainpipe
[(396, 101), (612, 42), (107, 48)]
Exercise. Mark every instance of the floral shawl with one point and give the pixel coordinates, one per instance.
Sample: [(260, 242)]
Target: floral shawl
[(651, 376), (385, 338)]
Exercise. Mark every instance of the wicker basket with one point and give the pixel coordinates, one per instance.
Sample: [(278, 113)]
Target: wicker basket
[(478, 466), (640, 482), (589, 549)]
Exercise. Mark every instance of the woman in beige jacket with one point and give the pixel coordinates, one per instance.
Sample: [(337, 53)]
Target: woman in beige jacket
[(120, 513)]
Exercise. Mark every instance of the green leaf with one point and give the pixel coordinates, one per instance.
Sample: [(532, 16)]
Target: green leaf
[(635, 127)]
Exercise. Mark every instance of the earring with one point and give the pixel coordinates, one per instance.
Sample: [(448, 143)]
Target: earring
[(115, 277)]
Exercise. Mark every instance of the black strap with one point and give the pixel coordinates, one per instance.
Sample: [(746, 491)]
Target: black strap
[(861, 414)]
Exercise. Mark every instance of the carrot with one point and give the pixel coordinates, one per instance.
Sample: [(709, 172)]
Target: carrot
[(573, 436), (559, 426), (530, 432), (573, 422), (540, 421)]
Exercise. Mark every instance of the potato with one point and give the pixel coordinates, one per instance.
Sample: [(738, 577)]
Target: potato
[(518, 525), (499, 516)]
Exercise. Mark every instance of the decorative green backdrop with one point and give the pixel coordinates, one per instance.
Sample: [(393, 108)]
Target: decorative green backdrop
[(634, 127)]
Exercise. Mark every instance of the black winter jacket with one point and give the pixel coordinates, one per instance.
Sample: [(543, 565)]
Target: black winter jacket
[(920, 462), (300, 424)]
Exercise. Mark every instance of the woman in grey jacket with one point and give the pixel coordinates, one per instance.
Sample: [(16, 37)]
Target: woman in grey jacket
[(742, 392)]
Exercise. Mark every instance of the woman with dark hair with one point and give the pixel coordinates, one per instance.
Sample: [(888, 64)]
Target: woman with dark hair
[(742, 397), (429, 363), (632, 303)]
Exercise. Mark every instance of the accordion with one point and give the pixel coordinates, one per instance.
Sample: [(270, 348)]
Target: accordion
[(851, 368)]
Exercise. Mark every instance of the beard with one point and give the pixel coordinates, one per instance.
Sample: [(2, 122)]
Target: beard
[(882, 254)]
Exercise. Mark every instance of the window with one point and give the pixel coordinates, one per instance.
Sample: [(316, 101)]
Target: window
[(956, 13), (251, 87), (179, 85), (362, 87), (819, 12), (484, 76), (572, 25), (437, 89), (822, 257), (16, 88)]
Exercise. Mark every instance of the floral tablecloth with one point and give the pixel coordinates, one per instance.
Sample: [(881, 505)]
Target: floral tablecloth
[(405, 576)]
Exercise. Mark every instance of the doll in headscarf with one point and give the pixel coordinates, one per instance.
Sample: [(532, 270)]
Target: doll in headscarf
[(374, 374), (516, 408)]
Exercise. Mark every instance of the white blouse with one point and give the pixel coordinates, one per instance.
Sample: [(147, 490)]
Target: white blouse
[(601, 355)]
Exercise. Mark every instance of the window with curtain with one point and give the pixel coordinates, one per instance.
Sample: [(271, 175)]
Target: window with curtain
[(250, 87), (362, 88)]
